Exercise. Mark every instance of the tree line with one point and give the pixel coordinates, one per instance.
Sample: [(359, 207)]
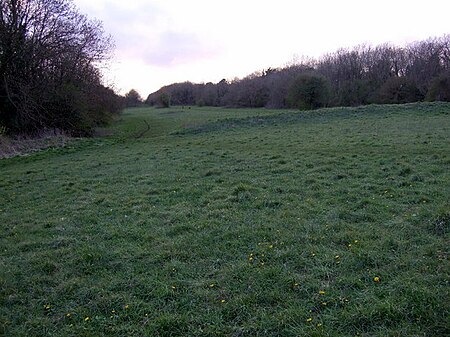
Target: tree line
[(49, 68), (348, 77)]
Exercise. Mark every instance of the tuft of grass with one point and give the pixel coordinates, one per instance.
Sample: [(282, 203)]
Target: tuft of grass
[(220, 222)]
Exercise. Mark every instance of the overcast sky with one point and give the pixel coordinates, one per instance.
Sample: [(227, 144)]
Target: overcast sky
[(159, 42)]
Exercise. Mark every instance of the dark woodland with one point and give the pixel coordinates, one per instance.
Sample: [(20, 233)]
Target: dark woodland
[(49, 69), (384, 74)]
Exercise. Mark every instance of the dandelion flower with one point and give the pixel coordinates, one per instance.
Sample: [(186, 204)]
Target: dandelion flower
[(126, 307), (309, 319), (87, 318), (212, 285), (376, 279), (68, 314), (319, 325), (222, 301), (322, 292)]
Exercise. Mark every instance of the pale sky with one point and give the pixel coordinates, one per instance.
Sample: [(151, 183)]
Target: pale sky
[(159, 42)]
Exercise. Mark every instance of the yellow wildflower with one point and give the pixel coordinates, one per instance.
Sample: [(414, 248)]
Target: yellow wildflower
[(376, 279), (322, 292), (309, 319)]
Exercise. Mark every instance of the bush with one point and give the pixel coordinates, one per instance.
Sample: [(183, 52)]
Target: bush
[(398, 90), (133, 99), (308, 91), (440, 88), (164, 100)]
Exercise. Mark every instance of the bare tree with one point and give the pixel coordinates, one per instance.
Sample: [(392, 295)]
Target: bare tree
[(361, 75), (49, 54), (133, 99)]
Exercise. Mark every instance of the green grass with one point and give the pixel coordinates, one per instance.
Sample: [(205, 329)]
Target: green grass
[(220, 222)]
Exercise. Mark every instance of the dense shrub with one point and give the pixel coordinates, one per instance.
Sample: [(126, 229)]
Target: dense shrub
[(398, 90), (133, 99), (440, 88), (308, 91), (163, 100)]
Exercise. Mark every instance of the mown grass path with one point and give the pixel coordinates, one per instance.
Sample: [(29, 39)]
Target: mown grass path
[(219, 222)]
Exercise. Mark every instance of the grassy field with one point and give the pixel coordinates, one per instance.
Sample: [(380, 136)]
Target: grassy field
[(220, 222)]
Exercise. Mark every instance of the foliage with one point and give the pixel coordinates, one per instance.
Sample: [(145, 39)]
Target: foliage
[(133, 99), (308, 92), (48, 58), (164, 100), (262, 223), (398, 90), (440, 88), (356, 76)]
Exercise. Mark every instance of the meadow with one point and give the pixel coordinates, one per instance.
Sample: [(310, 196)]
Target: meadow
[(233, 222)]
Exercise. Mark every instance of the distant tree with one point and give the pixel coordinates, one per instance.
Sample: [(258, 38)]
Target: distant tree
[(308, 91), (222, 90), (279, 81), (163, 100), (440, 88), (350, 77), (182, 93), (398, 90), (427, 60), (133, 99), (207, 95)]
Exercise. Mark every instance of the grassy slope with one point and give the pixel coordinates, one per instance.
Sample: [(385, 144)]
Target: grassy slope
[(271, 223)]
